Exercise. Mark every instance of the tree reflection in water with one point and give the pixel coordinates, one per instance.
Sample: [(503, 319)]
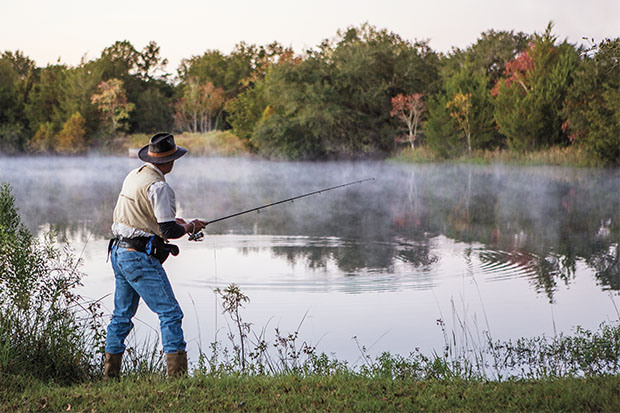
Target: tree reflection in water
[(535, 222)]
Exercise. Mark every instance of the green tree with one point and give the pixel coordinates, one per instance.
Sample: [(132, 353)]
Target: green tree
[(117, 61), (529, 99), (150, 65), (472, 71), (489, 54), (337, 100), (230, 73), (8, 92), (367, 68), (593, 103), (245, 111), (280, 137), (25, 70), (144, 82), (441, 129), (291, 124), (153, 111), (9, 106), (77, 86), (44, 98)]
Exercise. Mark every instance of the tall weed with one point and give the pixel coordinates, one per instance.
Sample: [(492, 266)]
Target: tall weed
[(46, 330), (467, 354)]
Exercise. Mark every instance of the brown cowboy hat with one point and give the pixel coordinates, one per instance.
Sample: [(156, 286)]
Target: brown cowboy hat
[(161, 149)]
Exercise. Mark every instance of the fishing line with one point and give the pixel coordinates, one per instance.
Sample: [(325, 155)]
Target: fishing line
[(88, 238), (214, 292), (198, 236)]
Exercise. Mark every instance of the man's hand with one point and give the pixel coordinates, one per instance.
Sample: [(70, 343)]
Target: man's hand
[(193, 226)]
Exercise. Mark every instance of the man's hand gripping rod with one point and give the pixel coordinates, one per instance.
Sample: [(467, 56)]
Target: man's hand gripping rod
[(198, 236)]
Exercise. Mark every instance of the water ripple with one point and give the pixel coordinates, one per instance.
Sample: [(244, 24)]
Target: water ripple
[(503, 265)]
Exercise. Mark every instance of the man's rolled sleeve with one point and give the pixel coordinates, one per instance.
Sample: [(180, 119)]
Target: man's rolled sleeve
[(163, 202)]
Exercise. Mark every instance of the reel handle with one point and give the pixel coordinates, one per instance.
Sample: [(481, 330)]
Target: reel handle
[(196, 236)]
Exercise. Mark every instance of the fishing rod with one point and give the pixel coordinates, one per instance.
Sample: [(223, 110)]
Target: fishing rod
[(199, 235)]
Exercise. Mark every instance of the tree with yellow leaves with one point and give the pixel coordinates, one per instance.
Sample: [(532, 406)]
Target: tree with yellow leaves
[(71, 139), (459, 108), (112, 103)]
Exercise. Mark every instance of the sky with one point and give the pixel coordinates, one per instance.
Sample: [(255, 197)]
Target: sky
[(68, 30)]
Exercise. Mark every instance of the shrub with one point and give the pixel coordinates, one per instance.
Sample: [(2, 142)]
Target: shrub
[(44, 139), (11, 137), (71, 138), (280, 137), (42, 333)]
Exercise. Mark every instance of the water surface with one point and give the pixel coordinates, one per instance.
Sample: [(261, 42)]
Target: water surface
[(515, 251)]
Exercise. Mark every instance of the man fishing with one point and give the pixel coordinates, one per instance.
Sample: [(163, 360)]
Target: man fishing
[(144, 218)]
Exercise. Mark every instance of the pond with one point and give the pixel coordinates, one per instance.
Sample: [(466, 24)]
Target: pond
[(512, 251)]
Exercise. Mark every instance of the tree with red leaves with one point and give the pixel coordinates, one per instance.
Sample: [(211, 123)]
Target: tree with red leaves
[(517, 71), (529, 99), (409, 109)]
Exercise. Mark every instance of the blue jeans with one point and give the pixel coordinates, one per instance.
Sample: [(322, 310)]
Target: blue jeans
[(141, 276)]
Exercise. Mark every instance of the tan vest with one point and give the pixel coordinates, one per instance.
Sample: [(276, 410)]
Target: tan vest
[(133, 207)]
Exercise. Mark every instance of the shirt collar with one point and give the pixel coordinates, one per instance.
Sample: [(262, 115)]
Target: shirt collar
[(156, 169)]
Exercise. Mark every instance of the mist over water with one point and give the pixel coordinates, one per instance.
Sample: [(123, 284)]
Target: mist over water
[(529, 248)]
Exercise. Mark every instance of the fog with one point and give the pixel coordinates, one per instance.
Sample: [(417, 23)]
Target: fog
[(540, 218), (383, 255)]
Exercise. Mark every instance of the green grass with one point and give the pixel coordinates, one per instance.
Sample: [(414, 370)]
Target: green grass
[(568, 156), (215, 143), (341, 392), (421, 154)]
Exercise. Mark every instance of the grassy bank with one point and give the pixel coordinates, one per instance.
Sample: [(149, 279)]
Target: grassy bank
[(215, 143), (569, 156), (341, 392), (225, 143)]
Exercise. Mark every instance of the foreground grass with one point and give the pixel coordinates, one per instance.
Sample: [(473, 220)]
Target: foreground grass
[(568, 156), (293, 393)]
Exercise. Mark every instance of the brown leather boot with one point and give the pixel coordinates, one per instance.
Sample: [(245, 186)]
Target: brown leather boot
[(112, 366), (176, 363)]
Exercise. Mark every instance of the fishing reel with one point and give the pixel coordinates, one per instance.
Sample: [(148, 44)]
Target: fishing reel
[(196, 236)]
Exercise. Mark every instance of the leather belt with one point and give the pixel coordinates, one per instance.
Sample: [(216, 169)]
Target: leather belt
[(138, 243), (158, 248), (128, 246)]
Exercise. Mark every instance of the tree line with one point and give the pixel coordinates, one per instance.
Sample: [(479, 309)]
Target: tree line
[(366, 92)]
